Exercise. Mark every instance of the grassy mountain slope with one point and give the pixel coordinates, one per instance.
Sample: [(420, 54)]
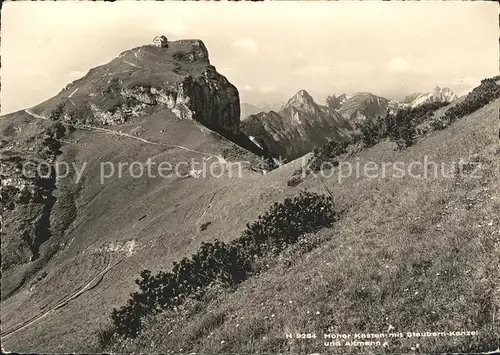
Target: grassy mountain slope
[(408, 255), (143, 221)]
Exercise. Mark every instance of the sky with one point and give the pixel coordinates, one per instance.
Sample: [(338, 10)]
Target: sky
[(269, 50)]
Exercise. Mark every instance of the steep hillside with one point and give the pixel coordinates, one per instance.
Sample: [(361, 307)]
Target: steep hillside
[(409, 98), (408, 255), (93, 223), (249, 109), (297, 128)]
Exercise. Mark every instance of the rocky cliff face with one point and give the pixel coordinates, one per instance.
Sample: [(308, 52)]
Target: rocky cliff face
[(147, 79), (27, 190), (297, 128), (335, 102)]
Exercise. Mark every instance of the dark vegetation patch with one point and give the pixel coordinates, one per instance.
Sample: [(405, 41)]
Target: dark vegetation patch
[(328, 154), (399, 127), (222, 264), (205, 225), (480, 96)]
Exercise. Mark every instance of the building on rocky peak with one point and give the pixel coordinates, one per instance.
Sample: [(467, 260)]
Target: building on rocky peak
[(160, 41)]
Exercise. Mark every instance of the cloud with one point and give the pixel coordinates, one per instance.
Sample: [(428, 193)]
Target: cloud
[(298, 54), (398, 65), (246, 46), (247, 87), (267, 89)]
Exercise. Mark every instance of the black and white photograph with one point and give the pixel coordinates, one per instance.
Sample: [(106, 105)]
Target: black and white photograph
[(250, 177)]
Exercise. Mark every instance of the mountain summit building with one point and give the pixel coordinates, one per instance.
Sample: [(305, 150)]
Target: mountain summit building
[(160, 41)]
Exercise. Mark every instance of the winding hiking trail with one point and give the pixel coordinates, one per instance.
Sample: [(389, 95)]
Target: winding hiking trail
[(121, 134), (87, 287), (94, 282)]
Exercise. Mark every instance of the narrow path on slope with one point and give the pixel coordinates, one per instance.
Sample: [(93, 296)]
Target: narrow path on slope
[(116, 133), (132, 64), (87, 287)]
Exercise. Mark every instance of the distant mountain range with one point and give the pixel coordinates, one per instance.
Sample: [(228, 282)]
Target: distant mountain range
[(435, 95), (252, 109), (294, 129), (297, 128), (362, 104)]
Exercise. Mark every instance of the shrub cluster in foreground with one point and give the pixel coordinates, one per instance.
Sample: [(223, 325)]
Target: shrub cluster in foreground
[(329, 152), (226, 264)]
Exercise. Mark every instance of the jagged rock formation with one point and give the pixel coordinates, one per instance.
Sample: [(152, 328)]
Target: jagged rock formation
[(297, 128), (249, 109), (363, 105), (334, 102), (146, 79)]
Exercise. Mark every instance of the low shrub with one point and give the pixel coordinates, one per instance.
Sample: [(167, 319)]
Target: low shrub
[(399, 127), (219, 263), (480, 96), (328, 154), (294, 181)]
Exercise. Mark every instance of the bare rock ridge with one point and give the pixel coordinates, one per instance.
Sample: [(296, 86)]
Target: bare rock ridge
[(146, 79), (27, 198)]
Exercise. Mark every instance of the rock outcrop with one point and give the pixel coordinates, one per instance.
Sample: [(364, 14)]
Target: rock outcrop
[(27, 190), (335, 102), (147, 79)]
